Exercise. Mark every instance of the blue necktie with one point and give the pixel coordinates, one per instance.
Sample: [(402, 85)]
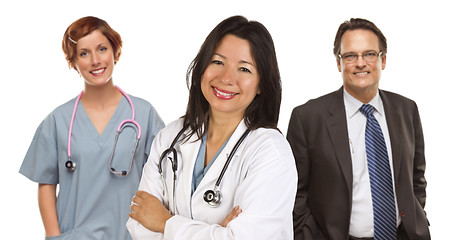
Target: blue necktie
[(384, 209)]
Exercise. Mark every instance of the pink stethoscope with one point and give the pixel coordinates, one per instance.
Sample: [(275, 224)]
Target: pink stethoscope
[(71, 165)]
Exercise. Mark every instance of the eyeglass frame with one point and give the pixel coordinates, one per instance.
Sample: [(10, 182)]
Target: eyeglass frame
[(361, 55)]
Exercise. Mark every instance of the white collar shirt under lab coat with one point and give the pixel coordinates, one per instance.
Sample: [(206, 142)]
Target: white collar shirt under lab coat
[(261, 179)]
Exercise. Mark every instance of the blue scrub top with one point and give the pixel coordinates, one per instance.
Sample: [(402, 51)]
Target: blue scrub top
[(93, 203), (199, 171)]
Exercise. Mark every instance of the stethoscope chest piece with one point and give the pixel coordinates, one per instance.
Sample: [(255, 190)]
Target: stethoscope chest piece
[(213, 198), (70, 165)]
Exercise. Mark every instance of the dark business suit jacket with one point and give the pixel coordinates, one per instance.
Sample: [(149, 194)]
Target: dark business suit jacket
[(318, 136)]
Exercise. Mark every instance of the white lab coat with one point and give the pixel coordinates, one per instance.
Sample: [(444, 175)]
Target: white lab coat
[(261, 179)]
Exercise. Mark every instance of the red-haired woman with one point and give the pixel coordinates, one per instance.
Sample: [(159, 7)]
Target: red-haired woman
[(94, 146)]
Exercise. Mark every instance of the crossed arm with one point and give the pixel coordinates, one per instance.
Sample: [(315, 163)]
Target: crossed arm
[(152, 214)]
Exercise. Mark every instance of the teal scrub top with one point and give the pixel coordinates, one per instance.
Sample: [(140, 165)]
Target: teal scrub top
[(92, 202), (199, 171)]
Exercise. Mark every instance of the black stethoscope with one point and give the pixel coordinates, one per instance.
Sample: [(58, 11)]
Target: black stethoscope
[(212, 197)]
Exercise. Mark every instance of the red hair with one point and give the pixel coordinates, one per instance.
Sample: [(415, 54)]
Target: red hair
[(84, 26)]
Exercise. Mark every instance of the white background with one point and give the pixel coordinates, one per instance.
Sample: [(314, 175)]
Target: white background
[(160, 40)]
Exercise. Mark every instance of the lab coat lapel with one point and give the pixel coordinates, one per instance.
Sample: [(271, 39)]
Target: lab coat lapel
[(338, 131), (391, 116), (189, 150)]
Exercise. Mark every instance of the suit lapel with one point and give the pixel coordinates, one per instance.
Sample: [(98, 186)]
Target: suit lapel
[(391, 116), (338, 131)]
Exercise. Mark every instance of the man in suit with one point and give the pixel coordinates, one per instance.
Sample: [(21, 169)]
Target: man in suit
[(328, 136)]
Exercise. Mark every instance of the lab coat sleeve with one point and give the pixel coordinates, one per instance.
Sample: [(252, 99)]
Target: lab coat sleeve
[(266, 195), (136, 230), (151, 183)]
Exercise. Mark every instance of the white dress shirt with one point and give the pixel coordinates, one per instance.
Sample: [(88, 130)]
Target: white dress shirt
[(361, 224)]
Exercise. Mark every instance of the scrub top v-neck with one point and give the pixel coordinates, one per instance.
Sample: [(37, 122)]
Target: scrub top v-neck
[(93, 203), (199, 170)]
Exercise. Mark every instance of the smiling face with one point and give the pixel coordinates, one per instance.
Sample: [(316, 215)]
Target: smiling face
[(360, 78), (95, 58), (230, 82)]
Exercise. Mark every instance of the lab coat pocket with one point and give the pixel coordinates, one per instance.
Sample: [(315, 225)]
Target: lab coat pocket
[(64, 236)]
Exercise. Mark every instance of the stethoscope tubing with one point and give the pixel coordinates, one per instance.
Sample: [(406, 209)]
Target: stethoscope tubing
[(71, 125), (71, 165), (132, 120), (122, 124), (229, 158), (174, 152), (212, 197)]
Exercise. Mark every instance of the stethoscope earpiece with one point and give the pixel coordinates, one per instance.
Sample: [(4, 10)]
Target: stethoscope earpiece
[(213, 198)]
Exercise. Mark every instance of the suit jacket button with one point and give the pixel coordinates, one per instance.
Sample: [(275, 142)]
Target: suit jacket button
[(402, 213)]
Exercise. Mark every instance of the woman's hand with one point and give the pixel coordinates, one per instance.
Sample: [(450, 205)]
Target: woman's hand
[(232, 215), (149, 211)]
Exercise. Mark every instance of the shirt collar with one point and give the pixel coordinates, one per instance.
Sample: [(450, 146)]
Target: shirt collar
[(352, 104)]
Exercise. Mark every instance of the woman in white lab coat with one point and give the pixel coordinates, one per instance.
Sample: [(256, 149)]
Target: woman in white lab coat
[(235, 86)]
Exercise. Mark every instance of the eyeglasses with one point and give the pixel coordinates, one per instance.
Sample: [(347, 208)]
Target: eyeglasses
[(370, 56)]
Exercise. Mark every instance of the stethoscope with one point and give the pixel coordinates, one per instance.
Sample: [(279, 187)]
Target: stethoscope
[(72, 165), (212, 197)]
